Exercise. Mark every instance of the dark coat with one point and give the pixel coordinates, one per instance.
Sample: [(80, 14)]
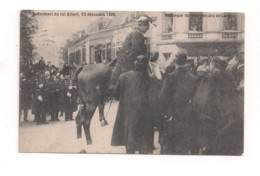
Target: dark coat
[(50, 88), (25, 93), (69, 102), (133, 126), (221, 111), (133, 46), (176, 98), (39, 89)]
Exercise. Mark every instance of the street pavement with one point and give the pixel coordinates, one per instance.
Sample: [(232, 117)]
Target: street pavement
[(61, 137)]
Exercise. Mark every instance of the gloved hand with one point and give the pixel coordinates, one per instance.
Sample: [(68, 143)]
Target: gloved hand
[(69, 94), (39, 98)]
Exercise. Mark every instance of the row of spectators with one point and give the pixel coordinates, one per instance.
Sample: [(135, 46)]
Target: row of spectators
[(47, 90)]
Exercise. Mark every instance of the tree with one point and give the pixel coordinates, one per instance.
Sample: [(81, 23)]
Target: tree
[(28, 27)]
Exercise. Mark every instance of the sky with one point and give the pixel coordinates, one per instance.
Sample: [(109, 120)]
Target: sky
[(54, 31)]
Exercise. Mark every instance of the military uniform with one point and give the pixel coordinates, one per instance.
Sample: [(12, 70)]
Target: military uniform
[(52, 91), (39, 99), (133, 46), (69, 93), (25, 96), (57, 94)]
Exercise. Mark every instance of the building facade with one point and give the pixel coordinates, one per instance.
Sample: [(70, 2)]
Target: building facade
[(201, 34)]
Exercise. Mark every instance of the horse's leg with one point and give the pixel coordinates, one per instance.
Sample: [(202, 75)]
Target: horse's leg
[(102, 119), (79, 121), (90, 110)]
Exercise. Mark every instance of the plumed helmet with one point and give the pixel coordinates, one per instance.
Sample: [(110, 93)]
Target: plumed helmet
[(145, 19)]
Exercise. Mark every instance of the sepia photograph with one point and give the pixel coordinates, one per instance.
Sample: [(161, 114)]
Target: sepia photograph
[(131, 82)]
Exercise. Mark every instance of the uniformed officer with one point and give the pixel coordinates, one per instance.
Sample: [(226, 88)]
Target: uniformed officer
[(51, 88), (57, 84), (61, 101), (69, 92), (40, 105), (25, 95), (133, 46)]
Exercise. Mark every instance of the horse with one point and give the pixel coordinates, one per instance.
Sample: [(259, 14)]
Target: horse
[(93, 82)]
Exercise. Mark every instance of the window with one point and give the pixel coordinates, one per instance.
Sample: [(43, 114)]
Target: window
[(99, 53), (92, 55), (84, 54), (168, 23), (78, 58), (230, 21), (72, 58), (103, 52), (108, 52), (196, 21), (113, 51)]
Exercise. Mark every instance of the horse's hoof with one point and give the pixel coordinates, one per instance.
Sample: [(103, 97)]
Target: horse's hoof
[(103, 123), (83, 151), (89, 142)]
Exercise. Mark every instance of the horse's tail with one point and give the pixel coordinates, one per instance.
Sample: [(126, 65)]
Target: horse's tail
[(75, 75)]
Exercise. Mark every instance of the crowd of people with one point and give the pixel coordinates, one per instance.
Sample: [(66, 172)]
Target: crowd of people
[(47, 90), (201, 107), (198, 107), (206, 106)]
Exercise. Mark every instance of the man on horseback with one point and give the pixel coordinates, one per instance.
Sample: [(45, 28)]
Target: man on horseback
[(133, 46), (96, 81)]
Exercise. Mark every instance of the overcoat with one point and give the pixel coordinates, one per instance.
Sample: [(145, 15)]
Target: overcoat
[(221, 111), (133, 126), (25, 93), (176, 98)]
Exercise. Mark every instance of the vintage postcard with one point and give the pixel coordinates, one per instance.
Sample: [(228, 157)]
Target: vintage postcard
[(131, 82)]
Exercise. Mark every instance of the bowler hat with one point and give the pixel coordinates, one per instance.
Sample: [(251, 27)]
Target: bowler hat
[(181, 57), (219, 63)]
